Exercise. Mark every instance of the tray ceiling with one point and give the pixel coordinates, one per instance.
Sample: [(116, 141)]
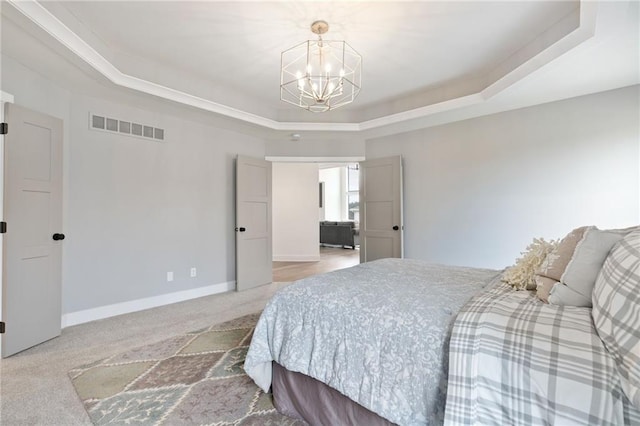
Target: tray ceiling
[(419, 58)]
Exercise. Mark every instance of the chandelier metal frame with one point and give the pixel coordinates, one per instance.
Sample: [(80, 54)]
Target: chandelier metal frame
[(320, 75)]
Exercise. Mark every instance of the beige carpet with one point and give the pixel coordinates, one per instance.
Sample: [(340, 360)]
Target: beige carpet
[(35, 388), (190, 379)]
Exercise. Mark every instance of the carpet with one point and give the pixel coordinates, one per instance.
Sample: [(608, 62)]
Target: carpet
[(192, 379)]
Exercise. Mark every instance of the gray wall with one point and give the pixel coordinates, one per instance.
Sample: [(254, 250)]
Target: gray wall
[(135, 209), (347, 145), (476, 192)]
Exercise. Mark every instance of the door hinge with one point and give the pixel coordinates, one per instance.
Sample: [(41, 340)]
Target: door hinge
[(3, 227), (4, 128), (1, 327)]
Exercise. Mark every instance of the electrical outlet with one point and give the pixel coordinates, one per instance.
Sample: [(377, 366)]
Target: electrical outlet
[(169, 276), (194, 272)]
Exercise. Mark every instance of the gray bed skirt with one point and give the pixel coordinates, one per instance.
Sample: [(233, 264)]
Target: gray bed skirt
[(305, 398)]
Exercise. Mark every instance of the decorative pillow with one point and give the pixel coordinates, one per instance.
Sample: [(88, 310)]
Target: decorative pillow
[(561, 294), (521, 275), (584, 266), (616, 311), (544, 286), (554, 265)]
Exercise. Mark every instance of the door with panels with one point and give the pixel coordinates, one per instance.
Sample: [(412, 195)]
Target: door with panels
[(253, 223), (381, 225), (32, 245)]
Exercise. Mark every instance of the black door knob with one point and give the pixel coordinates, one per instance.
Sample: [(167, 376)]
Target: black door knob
[(395, 228), (58, 237), (240, 229)]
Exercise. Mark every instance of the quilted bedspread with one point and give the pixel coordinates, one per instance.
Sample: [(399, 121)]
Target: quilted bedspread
[(377, 332), (517, 361)]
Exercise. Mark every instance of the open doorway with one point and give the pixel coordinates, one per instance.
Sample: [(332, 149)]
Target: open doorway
[(306, 195)]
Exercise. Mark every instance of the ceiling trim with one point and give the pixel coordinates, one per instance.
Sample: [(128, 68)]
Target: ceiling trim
[(586, 30), (35, 12)]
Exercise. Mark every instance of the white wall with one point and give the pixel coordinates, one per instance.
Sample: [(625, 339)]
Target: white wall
[(135, 209), (478, 191), (296, 234), (334, 193)]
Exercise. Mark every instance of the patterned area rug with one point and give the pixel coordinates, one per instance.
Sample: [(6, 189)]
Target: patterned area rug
[(194, 379)]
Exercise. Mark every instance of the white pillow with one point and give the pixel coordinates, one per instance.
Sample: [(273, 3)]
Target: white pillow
[(584, 266), (616, 311)]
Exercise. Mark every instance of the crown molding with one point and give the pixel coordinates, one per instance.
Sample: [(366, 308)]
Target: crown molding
[(44, 19)]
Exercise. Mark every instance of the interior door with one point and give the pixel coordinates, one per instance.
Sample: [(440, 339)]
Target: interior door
[(32, 269), (253, 223), (381, 227)]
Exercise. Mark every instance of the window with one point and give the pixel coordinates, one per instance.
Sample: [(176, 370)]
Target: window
[(353, 192)]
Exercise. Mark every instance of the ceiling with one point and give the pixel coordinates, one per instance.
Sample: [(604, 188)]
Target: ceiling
[(420, 58)]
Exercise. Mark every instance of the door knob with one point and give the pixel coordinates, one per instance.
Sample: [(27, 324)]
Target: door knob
[(58, 237), (395, 228), (241, 229)]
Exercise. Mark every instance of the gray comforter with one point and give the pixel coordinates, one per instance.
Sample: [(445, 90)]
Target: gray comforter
[(377, 332)]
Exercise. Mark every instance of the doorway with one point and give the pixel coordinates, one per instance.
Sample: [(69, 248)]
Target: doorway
[(299, 208)]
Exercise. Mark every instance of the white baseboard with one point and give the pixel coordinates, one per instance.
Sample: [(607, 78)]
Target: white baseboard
[(80, 317), (296, 258)]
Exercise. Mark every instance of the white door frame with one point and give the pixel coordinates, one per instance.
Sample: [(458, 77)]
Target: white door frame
[(4, 99), (276, 159)]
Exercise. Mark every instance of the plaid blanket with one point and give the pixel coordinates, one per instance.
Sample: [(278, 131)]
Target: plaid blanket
[(517, 361)]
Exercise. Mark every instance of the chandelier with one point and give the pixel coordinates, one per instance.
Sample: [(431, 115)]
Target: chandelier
[(320, 75)]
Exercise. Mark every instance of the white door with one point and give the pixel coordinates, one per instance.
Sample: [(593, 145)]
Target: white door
[(32, 245), (253, 223), (381, 225)]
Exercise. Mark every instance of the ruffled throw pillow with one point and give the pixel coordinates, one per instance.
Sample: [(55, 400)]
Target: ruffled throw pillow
[(551, 270)]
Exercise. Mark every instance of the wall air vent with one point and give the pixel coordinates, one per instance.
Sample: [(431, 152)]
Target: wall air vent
[(113, 125)]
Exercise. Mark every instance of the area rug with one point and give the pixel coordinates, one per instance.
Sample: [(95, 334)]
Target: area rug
[(193, 379)]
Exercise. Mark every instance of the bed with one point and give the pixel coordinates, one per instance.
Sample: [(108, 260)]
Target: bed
[(354, 329), (517, 361), (397, 341)]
